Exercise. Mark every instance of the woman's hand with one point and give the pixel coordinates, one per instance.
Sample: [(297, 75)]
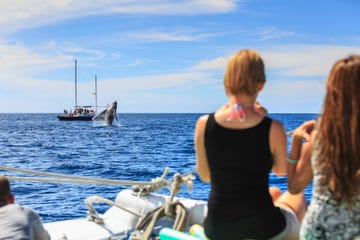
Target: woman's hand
[(299, 167), (304, 130)]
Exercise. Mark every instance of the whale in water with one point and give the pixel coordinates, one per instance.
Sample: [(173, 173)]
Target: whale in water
[(107, 115)]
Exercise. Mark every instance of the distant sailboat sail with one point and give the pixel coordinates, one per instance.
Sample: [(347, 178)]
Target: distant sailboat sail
[(80, 113)]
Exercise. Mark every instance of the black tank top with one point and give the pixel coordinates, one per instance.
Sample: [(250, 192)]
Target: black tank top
[(240, 161)]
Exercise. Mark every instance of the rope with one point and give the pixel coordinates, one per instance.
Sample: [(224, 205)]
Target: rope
[(62, 178), (173, 209), (93, 215), (146, 225), (158, 183)]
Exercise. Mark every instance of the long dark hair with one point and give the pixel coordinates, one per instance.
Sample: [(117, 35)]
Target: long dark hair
[(339, 130)]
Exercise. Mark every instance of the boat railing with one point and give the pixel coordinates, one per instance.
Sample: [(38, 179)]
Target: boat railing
[(156, 184)]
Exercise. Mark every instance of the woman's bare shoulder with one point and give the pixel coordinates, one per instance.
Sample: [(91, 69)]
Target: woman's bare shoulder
[(202, 120), (203, 117), (277, 125)]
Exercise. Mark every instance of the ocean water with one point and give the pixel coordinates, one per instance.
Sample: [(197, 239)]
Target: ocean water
[(138, 148)]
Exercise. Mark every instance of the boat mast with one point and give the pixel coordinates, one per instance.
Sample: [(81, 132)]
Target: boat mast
[(96, 105), (75, 83)]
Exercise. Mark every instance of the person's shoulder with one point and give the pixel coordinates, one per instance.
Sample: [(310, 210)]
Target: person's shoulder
[(203, 118), (17, 209), (277, 125), (200, 124), (12, 207), (28, 211)]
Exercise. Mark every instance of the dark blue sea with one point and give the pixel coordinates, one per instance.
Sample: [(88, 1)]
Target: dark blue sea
[(138, 148)]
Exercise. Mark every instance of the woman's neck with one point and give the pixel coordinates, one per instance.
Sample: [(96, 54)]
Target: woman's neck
[(239, 106), (244, 100)]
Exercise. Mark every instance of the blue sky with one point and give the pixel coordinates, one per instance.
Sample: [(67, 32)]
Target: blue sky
[(168, 56)]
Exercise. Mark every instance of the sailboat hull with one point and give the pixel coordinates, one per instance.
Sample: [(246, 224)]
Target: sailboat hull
[(75, 118)]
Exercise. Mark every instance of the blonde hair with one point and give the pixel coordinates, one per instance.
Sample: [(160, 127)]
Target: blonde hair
[(339, 129), (245, 70)]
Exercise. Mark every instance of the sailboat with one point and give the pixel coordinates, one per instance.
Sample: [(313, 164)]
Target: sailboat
[(80, 113)]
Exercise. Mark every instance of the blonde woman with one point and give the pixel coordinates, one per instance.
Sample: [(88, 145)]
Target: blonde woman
[(237, 147)]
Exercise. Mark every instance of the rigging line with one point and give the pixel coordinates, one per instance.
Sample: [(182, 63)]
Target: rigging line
[(53, 180), (97, 199), (189, 173), (40, 173), (74, 179)]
